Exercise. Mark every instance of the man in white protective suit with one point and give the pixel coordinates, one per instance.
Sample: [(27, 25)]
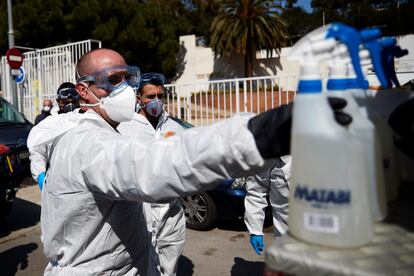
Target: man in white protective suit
[(151, 121), (272, 183), (68, 101), (92, 220)]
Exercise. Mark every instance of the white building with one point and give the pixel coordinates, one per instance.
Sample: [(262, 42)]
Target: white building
[(199, 66), (404, 66)]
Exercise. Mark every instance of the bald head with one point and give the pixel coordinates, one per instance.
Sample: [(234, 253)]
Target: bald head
[(98, 59), (90, 93)]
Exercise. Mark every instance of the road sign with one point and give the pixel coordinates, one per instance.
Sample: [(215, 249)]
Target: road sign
[(22, 76), (14, 58), (14, 72)]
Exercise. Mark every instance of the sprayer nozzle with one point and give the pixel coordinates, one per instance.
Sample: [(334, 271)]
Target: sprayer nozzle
[(400, 52), (368, 34), (387, 42)]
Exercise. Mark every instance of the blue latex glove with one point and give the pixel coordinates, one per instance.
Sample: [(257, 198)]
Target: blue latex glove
[(41, 179), (257, 243)]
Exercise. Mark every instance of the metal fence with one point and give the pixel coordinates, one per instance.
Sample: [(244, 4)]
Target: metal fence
[(198, 103), (207, 102), (45, 70)]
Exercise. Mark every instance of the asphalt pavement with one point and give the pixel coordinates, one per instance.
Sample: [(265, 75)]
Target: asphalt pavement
[(224, 250)]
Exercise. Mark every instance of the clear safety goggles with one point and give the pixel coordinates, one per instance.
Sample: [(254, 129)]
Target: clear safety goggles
[(111, 78), (156, 79), (152, 78), (66, 93)]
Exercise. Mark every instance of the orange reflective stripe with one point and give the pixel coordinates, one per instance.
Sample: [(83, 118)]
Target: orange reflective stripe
[(169, 134)]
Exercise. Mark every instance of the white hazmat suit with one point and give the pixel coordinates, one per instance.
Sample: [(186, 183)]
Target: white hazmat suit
[(168, 220), (92, 220), (275, 184), (39, 155)]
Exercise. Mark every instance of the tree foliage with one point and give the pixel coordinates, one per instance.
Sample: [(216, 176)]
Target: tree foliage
[(393, 17), (245, 26), (146, 32)]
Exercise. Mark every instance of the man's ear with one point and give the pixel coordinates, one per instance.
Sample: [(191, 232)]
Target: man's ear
[(139, 98), (82, 90)]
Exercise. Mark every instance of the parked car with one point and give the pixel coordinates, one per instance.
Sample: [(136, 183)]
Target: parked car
[(14, 165), (225, 202)]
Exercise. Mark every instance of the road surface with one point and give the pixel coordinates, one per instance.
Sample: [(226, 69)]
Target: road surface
[(224, 250)]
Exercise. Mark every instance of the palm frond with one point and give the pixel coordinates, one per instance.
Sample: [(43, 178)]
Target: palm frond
[(248, 24)]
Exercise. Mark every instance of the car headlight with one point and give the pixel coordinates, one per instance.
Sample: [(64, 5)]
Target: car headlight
[(239, 183)]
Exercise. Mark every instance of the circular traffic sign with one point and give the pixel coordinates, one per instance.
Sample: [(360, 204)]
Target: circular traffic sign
[(22, 76), (14, 58)]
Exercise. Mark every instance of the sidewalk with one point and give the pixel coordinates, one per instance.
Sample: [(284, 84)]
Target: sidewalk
[(25, 215)]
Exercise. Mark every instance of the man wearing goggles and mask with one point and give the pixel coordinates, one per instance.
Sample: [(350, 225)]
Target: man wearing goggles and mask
[(67, 98), (166, 221), (92, 216), (68, 101), (150, 98)]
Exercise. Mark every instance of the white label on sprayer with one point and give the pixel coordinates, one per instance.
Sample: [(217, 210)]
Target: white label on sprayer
[(324, 223)]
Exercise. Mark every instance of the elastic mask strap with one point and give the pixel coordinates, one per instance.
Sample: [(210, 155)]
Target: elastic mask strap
[(141, 105), (90, 105), (77, 73)]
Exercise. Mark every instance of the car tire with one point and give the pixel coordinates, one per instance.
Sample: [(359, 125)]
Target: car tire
[(200, 211), (6, 199)]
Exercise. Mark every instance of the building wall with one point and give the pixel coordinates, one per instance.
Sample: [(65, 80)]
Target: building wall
[(199, 65)]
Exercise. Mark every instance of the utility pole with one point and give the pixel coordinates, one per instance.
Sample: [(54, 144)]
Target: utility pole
[(13, 84), (10, 17), (323, 18)]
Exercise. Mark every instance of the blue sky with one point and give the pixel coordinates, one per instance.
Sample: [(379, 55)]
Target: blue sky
[(306, 4)]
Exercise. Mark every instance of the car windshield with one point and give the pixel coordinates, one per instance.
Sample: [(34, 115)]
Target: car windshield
[(8, 114)]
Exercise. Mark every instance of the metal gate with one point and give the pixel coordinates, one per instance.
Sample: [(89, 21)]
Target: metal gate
[(198, 103), (45, 70), (207, 102)]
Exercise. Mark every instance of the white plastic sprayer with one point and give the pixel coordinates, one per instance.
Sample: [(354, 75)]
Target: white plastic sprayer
[(380, 105), (341, 81), (329, 201), (386, 101)]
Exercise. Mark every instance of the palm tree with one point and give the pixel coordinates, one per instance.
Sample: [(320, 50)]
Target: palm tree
[(244, 26)]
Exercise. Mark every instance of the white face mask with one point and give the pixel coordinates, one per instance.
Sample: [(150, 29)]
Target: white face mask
[(46, 108), (119, 105)]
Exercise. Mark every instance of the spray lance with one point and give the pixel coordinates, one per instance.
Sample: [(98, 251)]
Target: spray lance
[(329, 202)]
